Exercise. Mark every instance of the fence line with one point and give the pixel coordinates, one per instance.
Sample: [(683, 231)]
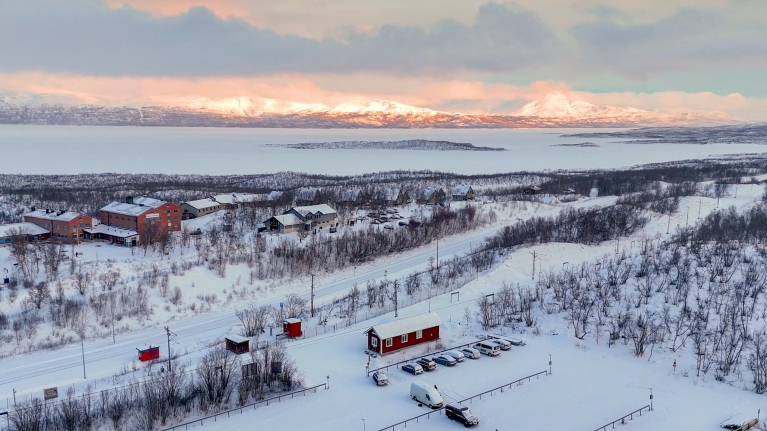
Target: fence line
[(254, 405), (622, 420), (439, 410)]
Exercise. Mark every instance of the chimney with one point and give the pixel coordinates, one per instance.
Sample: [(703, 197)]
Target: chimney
[(33, 209), (47, 211), (129, 200)]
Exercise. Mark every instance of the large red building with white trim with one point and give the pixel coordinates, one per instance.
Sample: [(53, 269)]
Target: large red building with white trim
[(64, 226), (398, 334), (138, 213)]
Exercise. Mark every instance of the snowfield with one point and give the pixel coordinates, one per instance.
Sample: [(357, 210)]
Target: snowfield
[(595, 379)]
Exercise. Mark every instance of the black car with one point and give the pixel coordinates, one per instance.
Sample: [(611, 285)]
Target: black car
[(426, 364), (461, 414), (412, 368)]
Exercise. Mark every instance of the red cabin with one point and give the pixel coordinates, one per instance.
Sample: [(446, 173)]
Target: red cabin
[(291, 328), (401, 333), (148, 354), (237, 344)]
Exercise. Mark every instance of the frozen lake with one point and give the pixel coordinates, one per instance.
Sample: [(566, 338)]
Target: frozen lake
[(85, 149)]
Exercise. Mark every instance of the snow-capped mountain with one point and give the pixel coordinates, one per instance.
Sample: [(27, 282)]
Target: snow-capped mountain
[(554, 110)]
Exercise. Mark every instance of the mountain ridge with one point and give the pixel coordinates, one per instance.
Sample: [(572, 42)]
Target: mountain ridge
[(554, 110)]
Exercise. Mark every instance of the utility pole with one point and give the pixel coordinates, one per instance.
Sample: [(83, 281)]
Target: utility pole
[(112, 306), (438, 252), (82, 347), (312, 295), (167, 331), (669, 223), (533, 275)]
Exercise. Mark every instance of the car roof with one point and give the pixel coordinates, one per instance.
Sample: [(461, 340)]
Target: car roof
[(457, 407)]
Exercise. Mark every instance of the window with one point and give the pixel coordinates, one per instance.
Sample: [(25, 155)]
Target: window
[(404, 338), (418, 335), (388, 342), (74, 228), (374, 341)]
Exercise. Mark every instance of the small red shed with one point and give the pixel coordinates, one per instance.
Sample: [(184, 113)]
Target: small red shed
[(291, 328), (148, 354), (401, 333), (237, 344)]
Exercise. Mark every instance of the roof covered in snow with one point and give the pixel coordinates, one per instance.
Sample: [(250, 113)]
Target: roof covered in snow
[(233, 198), (149, 202), (113, 231), (126, 209), (390, 193), (275, 194), (461, 189), (427, 192), (203, 203), (237, 338), (313, 209), (53, 215), (7, 230), (287, 219), (406, 325)]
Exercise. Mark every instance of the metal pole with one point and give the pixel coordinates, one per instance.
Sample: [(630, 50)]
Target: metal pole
[(112, 303), (312, 295), (167, 331), (549, 363), (82, 346)]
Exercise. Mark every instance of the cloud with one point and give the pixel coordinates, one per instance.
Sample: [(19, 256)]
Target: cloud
[(686, 41), (79, 37)]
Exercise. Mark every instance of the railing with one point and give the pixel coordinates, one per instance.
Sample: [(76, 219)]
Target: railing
[(439, 411), (241, 409), (623, 419), (415, 358)]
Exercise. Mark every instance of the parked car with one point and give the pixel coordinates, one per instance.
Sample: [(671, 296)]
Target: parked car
[(390, 211), (426, 394), (516, 342), (488, 348), (333, 230), (461, 414), (372, 215), (445, 360), (427, 364), (413, 369), (402, 223), (380, 378), (505, 345), (470, 353), (458, 356), (388, 226)]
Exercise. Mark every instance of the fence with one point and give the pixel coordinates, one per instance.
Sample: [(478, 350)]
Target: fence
[(623, 419), (439, 411), (241, 409), (386, 367)]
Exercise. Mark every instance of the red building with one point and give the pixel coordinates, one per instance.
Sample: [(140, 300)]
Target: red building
[(292, 327), (64, 226), (410, 331), (141, 213)]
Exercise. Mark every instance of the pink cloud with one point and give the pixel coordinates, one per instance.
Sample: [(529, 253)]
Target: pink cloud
[(476, 96)]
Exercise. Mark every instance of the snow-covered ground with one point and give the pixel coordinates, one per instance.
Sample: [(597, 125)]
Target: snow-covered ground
[(591, 385)]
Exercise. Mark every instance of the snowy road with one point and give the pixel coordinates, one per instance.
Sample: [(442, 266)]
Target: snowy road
[(30, 373)]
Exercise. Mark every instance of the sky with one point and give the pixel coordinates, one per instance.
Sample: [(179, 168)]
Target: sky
[(457, 55)]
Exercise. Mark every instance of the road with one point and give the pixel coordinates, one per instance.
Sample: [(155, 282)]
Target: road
[(29, 373)]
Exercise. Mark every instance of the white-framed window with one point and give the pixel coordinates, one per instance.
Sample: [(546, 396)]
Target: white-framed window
[(418, 335), (374, 341), (404, 338), (388, 342)]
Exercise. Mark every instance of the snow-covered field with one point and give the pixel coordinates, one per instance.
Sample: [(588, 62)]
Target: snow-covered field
[(245, 151)]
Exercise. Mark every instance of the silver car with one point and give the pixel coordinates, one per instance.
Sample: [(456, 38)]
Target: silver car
[(470, 353), (505, 345), (458, 356)]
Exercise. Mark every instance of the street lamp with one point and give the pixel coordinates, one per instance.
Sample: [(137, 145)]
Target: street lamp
[(363, 424)]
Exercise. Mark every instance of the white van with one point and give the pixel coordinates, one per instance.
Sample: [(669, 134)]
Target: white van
[(488, 348), (426, 394)]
